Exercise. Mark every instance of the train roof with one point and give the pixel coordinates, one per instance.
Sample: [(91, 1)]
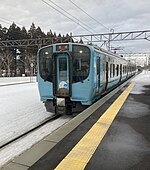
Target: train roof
[(108, 52), (95, 47)]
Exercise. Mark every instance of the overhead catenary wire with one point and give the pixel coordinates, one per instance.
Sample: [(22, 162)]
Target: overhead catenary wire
[(7, 21), (4, 22), (111, 30), (67, 16), (89, 15), (72, 16)]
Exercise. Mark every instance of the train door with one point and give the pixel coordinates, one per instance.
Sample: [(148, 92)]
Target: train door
[(105, 76), (98, 74), (120, 72), (62, 86), (62, 76)]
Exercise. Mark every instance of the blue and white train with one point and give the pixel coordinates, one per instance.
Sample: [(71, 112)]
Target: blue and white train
[(71, 73)]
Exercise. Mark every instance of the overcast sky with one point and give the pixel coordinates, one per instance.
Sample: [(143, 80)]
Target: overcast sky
[(120, 15)]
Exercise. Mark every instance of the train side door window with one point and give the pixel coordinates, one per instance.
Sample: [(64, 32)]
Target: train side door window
[(98, 70), (113, 70), (63, 69), (120, 69), (117, 68), (98, 66), (124, 69), (107, 71), (104, 68)]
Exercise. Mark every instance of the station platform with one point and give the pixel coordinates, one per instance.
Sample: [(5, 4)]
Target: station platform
[(116, 136)]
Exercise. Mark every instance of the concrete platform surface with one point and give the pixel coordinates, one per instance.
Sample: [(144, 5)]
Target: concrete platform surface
[(126, 146)]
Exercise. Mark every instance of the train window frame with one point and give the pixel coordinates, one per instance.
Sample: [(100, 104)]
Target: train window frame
[(62, 69), (98, 65), (46, 63), (81, 63), (117, 69), (113, 70)]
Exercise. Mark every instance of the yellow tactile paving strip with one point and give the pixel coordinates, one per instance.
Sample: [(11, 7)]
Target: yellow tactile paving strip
[(80, 155)]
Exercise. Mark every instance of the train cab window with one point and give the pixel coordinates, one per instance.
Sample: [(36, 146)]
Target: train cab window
[(45, 63), (81, 63)]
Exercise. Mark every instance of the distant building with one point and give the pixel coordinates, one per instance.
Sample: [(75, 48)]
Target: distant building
[(140, 59)]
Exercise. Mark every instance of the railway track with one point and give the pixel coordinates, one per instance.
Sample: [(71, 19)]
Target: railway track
[(52, 118)]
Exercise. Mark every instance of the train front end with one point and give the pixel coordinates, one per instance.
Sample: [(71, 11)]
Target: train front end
[(64, 76)]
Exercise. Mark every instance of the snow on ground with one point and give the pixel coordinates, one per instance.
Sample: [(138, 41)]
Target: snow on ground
[(15, 149), (142, 78), (13, 80), (21, 110)]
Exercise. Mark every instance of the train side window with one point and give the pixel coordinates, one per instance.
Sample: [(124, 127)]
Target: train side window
[(107, 70), (121, 69), (98, 71), (98, 65), (113, 70), (104, 64), (117, 68), (104, 68)]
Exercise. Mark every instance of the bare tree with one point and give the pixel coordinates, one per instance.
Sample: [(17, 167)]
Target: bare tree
[(29, 61), (6, 60), (1, 65)]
